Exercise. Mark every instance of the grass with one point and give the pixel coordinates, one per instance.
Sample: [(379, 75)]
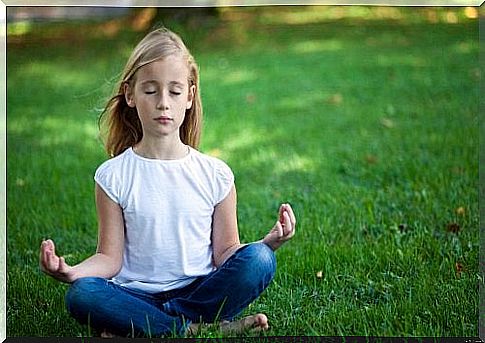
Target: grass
[(369, 128)]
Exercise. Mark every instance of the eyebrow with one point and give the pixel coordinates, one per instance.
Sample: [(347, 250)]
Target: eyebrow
[(172, 83)]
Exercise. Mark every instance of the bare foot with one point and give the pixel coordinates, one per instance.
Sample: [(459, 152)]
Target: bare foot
[(255, 323), (106, 334)]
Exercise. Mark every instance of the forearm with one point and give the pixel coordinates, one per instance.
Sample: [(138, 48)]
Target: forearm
[(221, 258), (98, 265)]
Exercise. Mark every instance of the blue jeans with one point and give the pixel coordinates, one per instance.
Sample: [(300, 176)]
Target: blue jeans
[(221, 295)]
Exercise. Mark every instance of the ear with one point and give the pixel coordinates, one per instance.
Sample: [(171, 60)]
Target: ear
[(129, 95), (191, 96)]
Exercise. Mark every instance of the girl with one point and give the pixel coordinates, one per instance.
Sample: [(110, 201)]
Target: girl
[(168, 255)]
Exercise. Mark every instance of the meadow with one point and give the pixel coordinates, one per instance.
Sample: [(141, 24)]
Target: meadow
[(368, 127)]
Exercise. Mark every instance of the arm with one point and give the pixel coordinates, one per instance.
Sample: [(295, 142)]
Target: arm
[(225, 235), (106, 262)]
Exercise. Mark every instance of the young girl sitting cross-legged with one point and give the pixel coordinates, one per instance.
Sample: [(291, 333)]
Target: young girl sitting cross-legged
[(168, 257)]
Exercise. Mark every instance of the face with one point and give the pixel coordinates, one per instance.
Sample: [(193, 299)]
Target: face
[(161, 95)]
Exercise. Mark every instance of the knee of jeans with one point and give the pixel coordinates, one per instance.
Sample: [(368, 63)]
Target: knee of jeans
[(261, 259), (82, 292)]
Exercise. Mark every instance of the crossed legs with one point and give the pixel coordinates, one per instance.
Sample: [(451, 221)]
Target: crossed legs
[(217, 297)]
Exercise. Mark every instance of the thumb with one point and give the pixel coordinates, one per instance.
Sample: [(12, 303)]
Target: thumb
[(278, 229), (63, 266)]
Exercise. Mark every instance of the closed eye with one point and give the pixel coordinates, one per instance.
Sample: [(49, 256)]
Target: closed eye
[(175, 93), (150, 92)]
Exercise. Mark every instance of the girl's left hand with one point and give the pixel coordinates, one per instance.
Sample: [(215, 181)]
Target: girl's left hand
[(283, 230)]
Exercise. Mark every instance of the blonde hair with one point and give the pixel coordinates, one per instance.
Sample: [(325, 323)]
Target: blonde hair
[(119, 124)]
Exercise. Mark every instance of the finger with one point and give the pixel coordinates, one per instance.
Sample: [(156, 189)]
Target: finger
[(42, 256), (63, 267), (45, 256), (279, 229), (287, 227), (292, 214), (290, 234), (45, 262), (53, 261), (280, 213), (51, 246), (49, 261)]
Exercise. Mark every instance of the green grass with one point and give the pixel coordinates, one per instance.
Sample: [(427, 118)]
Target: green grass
[(369, 128)]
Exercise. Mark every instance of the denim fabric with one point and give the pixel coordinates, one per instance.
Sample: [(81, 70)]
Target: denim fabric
[(221, 295)]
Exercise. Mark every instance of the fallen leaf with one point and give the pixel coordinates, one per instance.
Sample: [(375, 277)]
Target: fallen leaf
[(335, 99), (320, 274), (459, 268), (371, 159), (460, 211), (250, 98), (387, 123), (453, 227), (19, 182)]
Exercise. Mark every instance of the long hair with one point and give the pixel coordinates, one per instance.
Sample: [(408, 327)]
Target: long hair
[(119, 124)]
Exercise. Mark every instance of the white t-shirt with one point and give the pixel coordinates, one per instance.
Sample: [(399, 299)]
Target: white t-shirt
[(167, 208)]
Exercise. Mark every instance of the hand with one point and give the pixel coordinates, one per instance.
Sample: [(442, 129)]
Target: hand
[(53, 265), (283, 230)]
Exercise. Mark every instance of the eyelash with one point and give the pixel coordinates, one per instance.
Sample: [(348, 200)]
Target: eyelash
[(153, 92)]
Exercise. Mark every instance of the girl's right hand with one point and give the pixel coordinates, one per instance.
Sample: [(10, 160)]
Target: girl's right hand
[(53, 265)]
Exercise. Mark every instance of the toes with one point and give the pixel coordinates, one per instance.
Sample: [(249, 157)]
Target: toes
[(260, 322), (255, 323)]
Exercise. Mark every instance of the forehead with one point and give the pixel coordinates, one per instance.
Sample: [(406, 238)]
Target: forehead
[(168, 69)]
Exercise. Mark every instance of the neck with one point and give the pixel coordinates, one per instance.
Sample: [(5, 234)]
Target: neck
[(161, 149)]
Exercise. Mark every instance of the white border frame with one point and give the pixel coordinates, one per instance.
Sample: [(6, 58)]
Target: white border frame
[(162, 3)]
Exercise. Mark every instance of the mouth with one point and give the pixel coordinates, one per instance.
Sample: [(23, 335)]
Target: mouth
[(163, 119)]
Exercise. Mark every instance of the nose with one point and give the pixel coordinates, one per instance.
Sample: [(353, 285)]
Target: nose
[(162, 103)]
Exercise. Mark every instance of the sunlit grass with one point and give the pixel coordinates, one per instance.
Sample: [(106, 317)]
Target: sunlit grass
[(369, 130)]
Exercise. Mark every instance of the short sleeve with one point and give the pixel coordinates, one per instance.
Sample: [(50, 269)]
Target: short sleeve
[(107, 180), (224, 181)]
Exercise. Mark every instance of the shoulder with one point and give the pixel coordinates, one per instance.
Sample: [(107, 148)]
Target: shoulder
[(211, 162), (113, 164), (109, 176), (218, 174)]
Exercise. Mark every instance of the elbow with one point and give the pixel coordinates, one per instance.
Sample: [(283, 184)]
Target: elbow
[(217, 263), (115, 271), (220, 258), (114, 265)]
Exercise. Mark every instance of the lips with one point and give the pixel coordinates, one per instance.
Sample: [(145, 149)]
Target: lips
[(163, 119)]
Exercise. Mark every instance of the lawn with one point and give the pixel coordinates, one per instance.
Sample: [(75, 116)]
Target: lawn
[(368, 127)]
